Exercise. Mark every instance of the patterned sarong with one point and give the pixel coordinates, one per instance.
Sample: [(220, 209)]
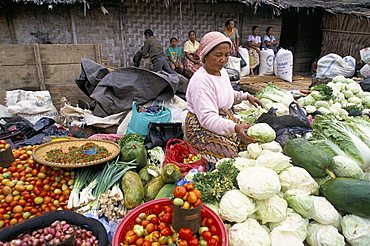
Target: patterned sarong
[(211, 145)]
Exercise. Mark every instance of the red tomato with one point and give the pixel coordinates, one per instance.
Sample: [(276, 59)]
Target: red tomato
[(183, 243), (167, 218), (144, 223), (203, 213), (179, 192), (162, 225), (213, 230), (193, 242), (166, 232), (154, 220), (206, 235), (203, 222), (209, 222), (150, 228), (190, 186), (157, 209), (198, 203), (168, 209), (212, 242), (145, 243), (185, 233)]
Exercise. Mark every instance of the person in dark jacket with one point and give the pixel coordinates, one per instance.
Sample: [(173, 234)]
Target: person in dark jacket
[(154, 51)]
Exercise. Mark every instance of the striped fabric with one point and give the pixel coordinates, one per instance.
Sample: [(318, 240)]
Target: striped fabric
[(211, 145)]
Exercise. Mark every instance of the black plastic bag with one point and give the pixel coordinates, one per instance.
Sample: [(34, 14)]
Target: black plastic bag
[(160, 132), (19, 124), (365, 84), (287, 126)]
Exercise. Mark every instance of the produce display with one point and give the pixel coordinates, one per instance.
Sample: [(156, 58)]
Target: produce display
[(3, 145), (57, 233), (87, 152), (29, 189), (155, 228)]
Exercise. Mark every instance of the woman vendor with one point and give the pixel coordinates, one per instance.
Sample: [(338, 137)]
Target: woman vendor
[(232, 33), (210, 124), (254, 44), (192, 61)]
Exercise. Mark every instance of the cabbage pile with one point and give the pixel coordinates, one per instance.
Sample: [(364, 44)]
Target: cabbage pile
[(274, 97), (277, 203), (338, 97)]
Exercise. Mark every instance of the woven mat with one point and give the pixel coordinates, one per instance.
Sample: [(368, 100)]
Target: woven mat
[(254, 84)]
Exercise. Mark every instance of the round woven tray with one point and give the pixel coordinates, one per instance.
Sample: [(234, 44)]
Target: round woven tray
[(39, 154)]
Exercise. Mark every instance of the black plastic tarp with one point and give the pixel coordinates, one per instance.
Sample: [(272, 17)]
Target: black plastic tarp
[(114, 92)]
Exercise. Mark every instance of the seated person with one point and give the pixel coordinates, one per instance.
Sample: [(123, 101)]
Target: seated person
[(210, 124), (191, 62), (269, 41), (154, 51), (253, 45), (232, 33), (174, 55)]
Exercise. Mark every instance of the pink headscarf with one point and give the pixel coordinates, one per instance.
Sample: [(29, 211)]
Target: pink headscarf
[(211, 40)]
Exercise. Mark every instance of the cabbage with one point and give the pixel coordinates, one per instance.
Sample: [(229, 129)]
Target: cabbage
[(261, 132), (348, 94), (310, 109), (254, 150), (354, 100), (301, 101), (274, 160), (281, 109), (345, 167), (266, 103), (324, 111), (248, 233), (354, 87), (273, 209), (285, 238), (276, 94), (316, 95), (324, 212), (301, 202), (298, 178), (366, 176), (244, 154), (324, 235), (320, 104), (309, 100), (356, 230), (293, 223), (243, 163), (235, 206), (272, 146), (258, 182), (338, 78)]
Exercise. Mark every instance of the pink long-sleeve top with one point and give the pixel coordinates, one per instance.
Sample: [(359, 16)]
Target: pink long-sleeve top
[(206, 94)]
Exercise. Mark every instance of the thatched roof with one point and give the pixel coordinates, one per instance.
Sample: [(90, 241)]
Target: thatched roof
[(356, 7)]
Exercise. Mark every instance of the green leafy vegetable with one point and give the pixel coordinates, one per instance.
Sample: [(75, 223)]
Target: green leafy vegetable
[(213, 185), (325, 91), (130, 137)]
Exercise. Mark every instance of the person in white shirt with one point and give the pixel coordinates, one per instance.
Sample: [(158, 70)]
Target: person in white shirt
[(254, 44), (210, 123), (191, 62), (269, 40)]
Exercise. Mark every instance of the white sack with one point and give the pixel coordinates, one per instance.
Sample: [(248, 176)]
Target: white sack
[(243, 52), (333, 65), (234, 63), (365, 71), (283, 65), (266, 62), (365, 55)]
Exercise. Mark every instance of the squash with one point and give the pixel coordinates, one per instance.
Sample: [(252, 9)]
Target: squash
[(171, 173), (135, 150), (166, 191), (133, 189), (308, 156), (153, 187), (349, 195)]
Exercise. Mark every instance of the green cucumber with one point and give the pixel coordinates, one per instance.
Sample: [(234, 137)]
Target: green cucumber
[(308, 156), (349, 195)]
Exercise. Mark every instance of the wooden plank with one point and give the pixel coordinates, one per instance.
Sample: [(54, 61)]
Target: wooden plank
[(254, 84), (97, 53), (40, 74), (13, 77), (52, 54), (68, 90), (14, 54), (61, 74)]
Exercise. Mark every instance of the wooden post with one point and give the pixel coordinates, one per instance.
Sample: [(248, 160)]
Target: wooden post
[(97, 53), (40, 73)]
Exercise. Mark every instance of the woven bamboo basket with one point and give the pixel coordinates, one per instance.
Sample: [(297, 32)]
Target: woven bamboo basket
[(39, 154)]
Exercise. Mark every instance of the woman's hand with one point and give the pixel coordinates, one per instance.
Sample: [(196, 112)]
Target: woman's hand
[(241, 130), (254, 101)]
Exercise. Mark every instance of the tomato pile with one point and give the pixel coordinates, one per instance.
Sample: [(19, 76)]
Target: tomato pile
[(3, 145), (186, 196), (155, 229), (28, 189)]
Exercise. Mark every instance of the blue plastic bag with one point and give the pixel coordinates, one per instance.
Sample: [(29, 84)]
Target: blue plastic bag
[(140, 120)]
